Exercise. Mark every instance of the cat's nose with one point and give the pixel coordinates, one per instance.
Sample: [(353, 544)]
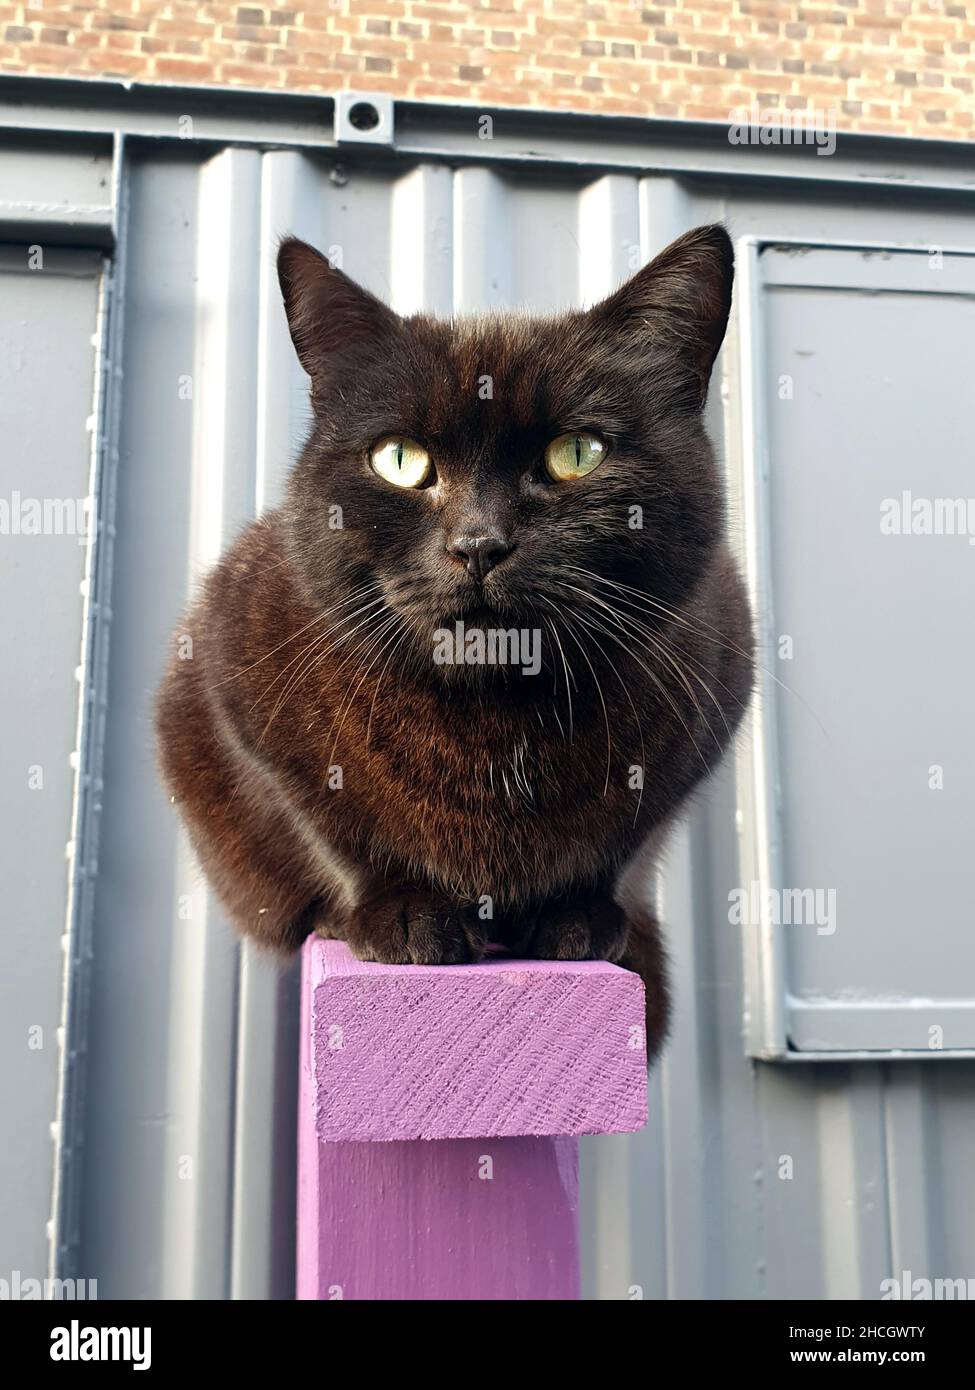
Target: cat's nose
[(480, 554)]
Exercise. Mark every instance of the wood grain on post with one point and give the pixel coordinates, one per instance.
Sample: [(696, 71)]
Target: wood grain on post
[(438, 1121)]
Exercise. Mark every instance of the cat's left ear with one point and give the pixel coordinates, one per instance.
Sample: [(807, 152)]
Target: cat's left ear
[(682, 299), (329, 315)]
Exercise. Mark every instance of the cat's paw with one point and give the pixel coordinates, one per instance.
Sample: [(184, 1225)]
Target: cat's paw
[(583, 927), (406, 927)]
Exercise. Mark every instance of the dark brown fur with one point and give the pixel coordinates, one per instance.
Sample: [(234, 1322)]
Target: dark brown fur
[(465, 784)]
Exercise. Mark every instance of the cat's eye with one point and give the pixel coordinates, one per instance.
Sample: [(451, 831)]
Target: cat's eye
[(402, 462), (573, 456)]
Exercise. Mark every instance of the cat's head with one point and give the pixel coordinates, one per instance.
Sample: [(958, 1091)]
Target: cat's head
[(505, 468)]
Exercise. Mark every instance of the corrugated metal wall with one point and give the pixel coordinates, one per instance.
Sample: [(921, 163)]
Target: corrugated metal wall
[(177, 1075)]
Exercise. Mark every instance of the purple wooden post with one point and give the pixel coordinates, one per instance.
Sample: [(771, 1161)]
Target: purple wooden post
[(439, 1110)]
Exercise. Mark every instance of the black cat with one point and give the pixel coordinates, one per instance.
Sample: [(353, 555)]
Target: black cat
[(457, 688)]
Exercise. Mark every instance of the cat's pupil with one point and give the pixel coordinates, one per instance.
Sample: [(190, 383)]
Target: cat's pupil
[(399, 455), (578, 452)]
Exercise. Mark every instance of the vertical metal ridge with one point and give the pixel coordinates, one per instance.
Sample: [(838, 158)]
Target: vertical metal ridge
[(908, 1132), (609, 238), (760, 836), (625, 1179), (852, 1166), (482, 263), (266, 1071), (421, 238), (206, 955), (68, 1130), (663, 213)]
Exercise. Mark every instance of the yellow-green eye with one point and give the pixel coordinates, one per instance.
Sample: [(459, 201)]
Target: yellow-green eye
[(573, 456), (402, 462)]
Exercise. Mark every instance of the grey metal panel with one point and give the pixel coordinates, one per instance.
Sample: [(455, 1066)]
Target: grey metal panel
[(51, 191), (751, 1180), (513, 247), (537, 140), (864, 363), (141, 1005), (48, 382), (130, 990), (64, 1229)]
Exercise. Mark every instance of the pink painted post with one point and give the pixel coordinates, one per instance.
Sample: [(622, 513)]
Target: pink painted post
[(439, 1111)]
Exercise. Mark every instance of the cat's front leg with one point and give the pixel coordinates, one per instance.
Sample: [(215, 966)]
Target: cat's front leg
[(401, 924)]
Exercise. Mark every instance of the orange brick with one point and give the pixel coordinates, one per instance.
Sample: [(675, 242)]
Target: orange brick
[(692, 60), (181, 69)]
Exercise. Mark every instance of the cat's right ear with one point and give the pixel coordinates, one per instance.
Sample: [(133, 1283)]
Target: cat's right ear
[(328, 314)]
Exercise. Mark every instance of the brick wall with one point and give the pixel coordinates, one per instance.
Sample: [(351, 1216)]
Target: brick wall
[(892, 66)]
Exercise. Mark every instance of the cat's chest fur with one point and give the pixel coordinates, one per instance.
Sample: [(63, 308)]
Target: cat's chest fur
[(489, 799)]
